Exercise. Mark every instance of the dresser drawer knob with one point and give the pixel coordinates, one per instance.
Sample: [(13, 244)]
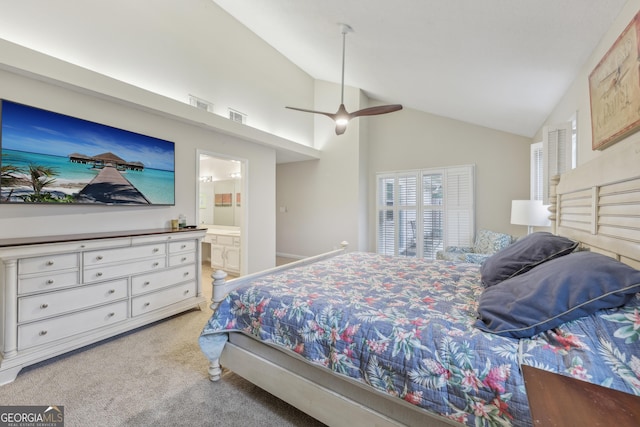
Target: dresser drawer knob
[(43, 333), (155, 249), (186, 273), (155, 264), (147, 304), (186, 292), (112, 291), (147, 283), (50, 282), (99, 274), (50, 262), (45, 305), (111, 314), (99, 257), (183, 246), (184, 258)]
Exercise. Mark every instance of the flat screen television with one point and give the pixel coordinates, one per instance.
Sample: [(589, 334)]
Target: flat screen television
[(52, 158)]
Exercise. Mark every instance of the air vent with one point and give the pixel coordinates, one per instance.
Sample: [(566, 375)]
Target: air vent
[(237, 116), (200, 103)]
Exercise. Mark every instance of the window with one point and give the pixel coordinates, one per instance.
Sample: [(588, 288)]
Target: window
[(421, 212), (200, 103), (237, 116)]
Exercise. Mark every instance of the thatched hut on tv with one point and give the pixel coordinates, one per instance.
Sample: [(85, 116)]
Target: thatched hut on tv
[(106, 160)]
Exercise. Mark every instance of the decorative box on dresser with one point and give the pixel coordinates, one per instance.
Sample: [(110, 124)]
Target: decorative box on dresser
[(60, 293)]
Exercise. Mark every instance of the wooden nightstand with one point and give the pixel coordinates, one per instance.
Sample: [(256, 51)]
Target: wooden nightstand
[(558, 400)]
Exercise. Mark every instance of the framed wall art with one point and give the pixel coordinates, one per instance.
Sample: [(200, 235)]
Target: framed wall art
[(614, 90)]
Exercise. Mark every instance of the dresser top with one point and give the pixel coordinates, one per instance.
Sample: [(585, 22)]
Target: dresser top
[(38, 240)]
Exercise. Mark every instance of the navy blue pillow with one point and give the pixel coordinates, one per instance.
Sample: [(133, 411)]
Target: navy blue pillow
[(521, 256), (556, 292)]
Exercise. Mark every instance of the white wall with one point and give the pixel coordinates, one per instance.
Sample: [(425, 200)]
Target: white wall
[(577, 100), (334, 199), (36, 220), (199, 49), (173, 48), (194, 49), (412, 139), (323, 198)]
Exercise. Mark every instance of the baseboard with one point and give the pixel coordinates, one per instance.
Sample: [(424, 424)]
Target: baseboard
[(292, 256)]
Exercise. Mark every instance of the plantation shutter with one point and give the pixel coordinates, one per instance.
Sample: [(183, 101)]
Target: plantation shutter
[(432, 214), (418, 212), (407, 214), (537, 172), (459, 206), (386, 215), (557, 152)]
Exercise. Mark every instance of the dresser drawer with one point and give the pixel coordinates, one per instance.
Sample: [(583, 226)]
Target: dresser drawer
[(47, 263), (48, 304), (156, 300), (108, 272), (154, 281), (48, 282), (225, 240), (95, 258), (46, 331), (181, 259), (183, 246)]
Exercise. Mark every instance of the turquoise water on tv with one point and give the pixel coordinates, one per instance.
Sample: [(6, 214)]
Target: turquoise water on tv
[(156, 185)]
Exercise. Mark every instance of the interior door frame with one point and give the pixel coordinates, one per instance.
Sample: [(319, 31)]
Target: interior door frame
[(244, 204)]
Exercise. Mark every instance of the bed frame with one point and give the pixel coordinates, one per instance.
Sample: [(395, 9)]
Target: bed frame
[(597, 204)]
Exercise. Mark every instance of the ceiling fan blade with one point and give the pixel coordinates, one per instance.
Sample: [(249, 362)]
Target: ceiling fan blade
[(330, 115), (372, 111)]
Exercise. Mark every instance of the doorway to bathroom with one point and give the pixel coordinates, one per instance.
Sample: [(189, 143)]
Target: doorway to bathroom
[(221, 209)]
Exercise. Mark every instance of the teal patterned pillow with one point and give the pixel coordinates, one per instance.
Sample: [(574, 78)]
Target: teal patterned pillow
[(490, 242), (476, 258)]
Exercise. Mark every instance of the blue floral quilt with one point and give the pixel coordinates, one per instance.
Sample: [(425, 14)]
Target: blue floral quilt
[(404, 326)]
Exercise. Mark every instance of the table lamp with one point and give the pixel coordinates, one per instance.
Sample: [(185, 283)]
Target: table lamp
[(531, 213)]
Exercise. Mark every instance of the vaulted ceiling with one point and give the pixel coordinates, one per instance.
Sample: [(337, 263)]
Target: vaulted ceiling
[(503, 64)]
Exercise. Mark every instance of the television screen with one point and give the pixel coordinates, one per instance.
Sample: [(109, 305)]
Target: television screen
[(49, 157)]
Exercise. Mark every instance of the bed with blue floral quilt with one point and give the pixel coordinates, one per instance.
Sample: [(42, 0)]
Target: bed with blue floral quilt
[(435, 335)]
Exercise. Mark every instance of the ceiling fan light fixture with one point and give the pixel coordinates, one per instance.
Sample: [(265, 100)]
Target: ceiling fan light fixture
[(342, 121), (342, 116)]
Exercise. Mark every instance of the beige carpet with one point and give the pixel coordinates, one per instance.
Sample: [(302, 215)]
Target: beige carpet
[(156, 376)]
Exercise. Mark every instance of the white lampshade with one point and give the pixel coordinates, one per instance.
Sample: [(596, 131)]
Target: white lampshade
[(530, 213)]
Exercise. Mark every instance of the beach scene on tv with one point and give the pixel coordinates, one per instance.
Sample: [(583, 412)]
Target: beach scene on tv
[(53, 158)]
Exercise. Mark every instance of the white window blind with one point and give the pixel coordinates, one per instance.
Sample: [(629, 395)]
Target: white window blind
[(557, 150), (537, 172), (459, 206), (419, 212), (386, 215), (432, 214)]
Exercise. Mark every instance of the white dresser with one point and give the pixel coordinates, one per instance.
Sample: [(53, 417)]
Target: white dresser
[(64, 292)]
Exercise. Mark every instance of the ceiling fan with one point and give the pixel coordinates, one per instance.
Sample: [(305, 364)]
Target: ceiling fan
[(342, 116)]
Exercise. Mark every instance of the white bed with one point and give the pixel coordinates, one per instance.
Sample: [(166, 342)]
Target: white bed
[(597, 204)]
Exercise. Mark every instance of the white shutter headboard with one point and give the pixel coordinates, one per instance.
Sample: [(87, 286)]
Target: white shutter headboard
[(598, 204)]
